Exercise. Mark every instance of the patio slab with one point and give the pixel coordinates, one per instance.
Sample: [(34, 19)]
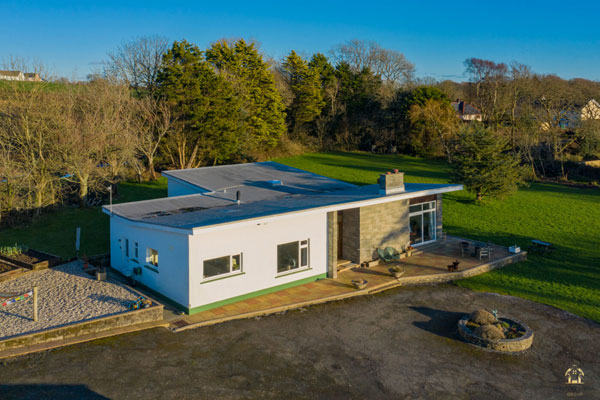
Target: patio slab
[(428, 266)]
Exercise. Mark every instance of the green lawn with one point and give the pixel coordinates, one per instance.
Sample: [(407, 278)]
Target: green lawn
[(569, 278), (54, 232)]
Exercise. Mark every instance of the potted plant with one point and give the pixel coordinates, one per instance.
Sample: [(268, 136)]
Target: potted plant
[(360, 283), (396, 271)]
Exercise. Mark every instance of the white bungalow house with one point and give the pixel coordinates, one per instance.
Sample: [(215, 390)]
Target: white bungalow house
[(232, 232)]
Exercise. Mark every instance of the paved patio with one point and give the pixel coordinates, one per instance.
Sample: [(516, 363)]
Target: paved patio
[(429, 264)]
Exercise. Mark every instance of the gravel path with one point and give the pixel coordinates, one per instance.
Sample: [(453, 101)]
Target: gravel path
[(67, 295)]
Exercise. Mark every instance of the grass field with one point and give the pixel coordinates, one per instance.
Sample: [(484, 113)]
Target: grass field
[(54, 232), (568, 278)]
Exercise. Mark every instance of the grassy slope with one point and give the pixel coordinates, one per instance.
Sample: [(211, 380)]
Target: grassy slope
[(570, 218), (569, 278), (55, 232)]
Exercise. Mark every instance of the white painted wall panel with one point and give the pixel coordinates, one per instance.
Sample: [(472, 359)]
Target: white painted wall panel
[(172, 278), (258, 244)]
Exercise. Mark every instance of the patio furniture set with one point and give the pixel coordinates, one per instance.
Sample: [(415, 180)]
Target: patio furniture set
[(480, 249)]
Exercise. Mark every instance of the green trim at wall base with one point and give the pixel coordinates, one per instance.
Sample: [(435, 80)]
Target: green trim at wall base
[(255, 294)]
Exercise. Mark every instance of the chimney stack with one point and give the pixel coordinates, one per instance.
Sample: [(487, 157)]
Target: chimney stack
[(391, 182), (238, 197)]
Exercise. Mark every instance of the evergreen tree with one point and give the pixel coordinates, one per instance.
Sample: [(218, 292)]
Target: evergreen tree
[(485, 165), (329, 85), (306, 88), (205, 107), (263, 108)]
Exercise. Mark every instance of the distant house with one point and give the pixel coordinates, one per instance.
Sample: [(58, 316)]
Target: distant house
[(32, 77), (591, 110), (233, 232), (20, 76), (571, 119), (12, 75), (466, 112)]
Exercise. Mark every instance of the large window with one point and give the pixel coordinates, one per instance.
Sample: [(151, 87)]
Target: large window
[(422, 222), (222, 265), (292, 256)]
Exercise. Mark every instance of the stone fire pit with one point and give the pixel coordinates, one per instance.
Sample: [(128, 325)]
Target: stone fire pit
[(503, 334)]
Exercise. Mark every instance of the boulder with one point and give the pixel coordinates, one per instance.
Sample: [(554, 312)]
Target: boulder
[(492, 332), (483, 317)]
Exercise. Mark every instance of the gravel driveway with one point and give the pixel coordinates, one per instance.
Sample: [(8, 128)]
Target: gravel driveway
[(66, 295), (398, 344)]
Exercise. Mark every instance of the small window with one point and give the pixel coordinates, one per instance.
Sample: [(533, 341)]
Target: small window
[(222, 265), (127, 248), (136, 251), (292, 255), (152, 256), (304, 253)]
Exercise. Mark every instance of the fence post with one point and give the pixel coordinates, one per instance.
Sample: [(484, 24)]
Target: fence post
[(35, 303)]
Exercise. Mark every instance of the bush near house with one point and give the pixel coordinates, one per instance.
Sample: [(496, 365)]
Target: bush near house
[(568, 217)]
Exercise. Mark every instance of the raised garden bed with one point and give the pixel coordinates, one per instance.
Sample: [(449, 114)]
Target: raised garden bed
[(32, 259), (519, 336)]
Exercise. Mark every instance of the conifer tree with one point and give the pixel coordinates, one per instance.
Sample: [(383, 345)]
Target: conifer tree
[(485, 165), (205, 106), (263, 109), (306, 88)]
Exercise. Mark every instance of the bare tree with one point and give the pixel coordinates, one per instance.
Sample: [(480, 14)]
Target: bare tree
[(137, 63), (28, 134), (95, 140), (391, 65), (152, 122)]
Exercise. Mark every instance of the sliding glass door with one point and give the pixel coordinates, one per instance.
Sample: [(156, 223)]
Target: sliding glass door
[(422, 222)]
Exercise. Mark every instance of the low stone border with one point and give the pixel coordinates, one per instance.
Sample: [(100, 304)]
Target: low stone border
[(503, 345), (479, 269), (127, 318)]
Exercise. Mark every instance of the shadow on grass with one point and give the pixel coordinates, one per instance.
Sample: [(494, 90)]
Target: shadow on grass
[(442, 323), (48, 391)]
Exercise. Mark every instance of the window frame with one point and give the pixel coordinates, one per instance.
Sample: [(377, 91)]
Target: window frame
[(231, 272), (150, 253), (433, 210), (303, 244)]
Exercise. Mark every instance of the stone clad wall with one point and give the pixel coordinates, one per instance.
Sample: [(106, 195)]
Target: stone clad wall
[(383, 225), (367, 228)]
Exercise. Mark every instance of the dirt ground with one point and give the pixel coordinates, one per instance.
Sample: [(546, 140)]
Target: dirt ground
[(399, 344)]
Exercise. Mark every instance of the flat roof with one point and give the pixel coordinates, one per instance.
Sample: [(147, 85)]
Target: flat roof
[(269, 179), (265, 189)]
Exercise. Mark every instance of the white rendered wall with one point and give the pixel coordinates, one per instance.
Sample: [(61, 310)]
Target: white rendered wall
[(172, 277), (258, 244), (178, 188)]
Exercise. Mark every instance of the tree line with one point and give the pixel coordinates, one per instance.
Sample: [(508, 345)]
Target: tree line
[(158, 104)]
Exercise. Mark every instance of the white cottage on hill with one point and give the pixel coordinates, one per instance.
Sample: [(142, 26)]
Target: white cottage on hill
[(232, 232)]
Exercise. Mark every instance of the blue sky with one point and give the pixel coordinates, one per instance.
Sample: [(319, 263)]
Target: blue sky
[(437, 36)]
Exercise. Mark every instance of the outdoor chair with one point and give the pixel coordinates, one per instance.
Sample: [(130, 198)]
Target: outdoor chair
[(484, 252), (464, 248)]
